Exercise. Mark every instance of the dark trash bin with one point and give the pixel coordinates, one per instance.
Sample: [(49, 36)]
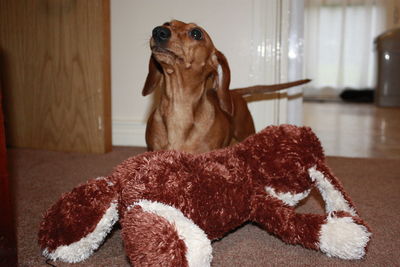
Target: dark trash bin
[(388, 87)]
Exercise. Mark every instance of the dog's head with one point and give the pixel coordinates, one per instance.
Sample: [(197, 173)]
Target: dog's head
[(188, 49)]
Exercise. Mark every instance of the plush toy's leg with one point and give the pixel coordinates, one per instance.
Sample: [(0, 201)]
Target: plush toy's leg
[(159, 235), (77, 224), (331, 190), (336, 234), (337, 201)]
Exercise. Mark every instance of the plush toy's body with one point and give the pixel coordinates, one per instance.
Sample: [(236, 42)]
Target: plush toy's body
[(171, 204)]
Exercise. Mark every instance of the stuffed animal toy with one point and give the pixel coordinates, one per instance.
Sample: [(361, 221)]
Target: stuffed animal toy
[(172, 204)]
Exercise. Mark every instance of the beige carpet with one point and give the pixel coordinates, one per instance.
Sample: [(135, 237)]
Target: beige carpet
[(39, 177)]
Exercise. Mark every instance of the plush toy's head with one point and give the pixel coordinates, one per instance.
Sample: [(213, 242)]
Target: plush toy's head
[(171, 204)]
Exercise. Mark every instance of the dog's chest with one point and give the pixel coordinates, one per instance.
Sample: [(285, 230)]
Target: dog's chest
[(191, 127)]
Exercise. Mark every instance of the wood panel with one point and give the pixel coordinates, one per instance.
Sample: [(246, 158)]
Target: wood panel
[(55, 63)]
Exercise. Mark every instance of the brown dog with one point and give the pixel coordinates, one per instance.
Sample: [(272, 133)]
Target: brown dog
[(197, 112)]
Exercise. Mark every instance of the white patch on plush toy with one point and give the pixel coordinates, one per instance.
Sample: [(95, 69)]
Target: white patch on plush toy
[(333, 198), (287, 197), (343, 238), (82, 249), (199, 250)]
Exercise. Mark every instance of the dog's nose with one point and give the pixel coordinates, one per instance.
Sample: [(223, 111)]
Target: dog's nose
[(161, 34)]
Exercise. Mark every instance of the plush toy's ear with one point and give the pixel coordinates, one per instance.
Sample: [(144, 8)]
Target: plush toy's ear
[(222, 81), (155, 77), (78, 222)]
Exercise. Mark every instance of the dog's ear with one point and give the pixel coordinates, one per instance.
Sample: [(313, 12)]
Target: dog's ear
[(155, 77), (222, 81)]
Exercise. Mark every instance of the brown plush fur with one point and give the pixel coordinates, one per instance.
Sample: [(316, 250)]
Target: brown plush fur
[(143, 232), (76, 214), (218, 191)]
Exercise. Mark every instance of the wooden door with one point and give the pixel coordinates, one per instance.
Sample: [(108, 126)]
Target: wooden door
[(55, 67)]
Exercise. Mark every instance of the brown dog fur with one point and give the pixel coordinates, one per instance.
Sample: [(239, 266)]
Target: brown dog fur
[(197, 112)]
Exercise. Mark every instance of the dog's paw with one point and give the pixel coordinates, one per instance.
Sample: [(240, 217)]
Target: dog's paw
[(343, 237)]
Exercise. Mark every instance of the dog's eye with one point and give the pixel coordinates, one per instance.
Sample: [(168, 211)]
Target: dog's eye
[(196, 34)]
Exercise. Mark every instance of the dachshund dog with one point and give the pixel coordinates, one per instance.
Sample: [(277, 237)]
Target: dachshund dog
[(197, 112)]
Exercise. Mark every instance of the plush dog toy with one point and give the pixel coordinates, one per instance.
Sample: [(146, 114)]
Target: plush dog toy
[(172, 204)]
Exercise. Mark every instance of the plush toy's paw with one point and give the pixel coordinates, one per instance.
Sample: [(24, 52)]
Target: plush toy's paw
[(344, 237), (77, 224)]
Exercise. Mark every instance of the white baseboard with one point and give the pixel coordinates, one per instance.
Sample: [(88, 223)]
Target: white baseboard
[(126, 132)]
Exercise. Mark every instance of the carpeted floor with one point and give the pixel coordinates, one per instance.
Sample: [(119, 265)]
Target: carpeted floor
[(40, 177)]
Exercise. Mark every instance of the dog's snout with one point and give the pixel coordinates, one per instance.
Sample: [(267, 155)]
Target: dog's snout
[(161, 34)]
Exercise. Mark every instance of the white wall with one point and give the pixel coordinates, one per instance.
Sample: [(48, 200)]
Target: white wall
[(248, 32)]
